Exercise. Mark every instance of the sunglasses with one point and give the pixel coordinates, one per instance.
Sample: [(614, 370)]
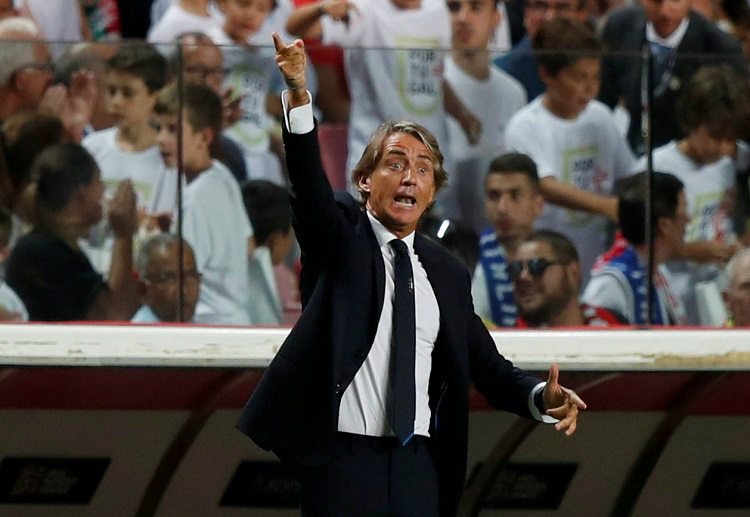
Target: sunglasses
[(536, 267)]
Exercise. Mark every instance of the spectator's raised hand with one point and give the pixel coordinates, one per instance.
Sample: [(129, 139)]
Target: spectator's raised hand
[(123, 215), (231, 107), (339, 10), (82, 97), (74, 106)]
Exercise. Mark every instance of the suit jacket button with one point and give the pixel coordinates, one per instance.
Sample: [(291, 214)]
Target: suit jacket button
[(360, 353), (339, 389)]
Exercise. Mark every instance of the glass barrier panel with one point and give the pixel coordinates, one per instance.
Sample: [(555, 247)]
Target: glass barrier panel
[(556, 160)]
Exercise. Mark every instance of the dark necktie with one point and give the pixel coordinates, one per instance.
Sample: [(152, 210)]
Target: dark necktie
[(402, 398), (662, 55)]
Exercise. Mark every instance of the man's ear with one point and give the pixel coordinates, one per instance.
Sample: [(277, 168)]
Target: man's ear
[(17, 80), (538, 205), (207, 135), (574, 273), (497, 17), (364, 183), (661, 226), (544, 75)]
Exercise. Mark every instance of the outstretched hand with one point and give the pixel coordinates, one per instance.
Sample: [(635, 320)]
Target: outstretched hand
[(562, 403)]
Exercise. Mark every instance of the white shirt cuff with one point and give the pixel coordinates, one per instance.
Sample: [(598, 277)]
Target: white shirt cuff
[(298, 120), (534, 410)]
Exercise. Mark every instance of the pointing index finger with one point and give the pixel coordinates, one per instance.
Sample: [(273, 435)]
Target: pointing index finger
[(278, 43)]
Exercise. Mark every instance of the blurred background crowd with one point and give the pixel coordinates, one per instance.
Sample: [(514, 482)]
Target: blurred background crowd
[(598, 169)]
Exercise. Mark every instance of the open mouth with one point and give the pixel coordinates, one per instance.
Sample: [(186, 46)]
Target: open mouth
[(407, 201)]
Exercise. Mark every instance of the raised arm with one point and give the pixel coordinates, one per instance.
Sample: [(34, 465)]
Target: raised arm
[(316, 217), (568, 196), (120, 301), (305, 21)]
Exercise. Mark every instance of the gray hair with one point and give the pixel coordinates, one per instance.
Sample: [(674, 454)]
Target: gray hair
[(158, 243), (17, 48)]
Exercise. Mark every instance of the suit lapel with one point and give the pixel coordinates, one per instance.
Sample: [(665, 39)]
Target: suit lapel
[(379, 278)]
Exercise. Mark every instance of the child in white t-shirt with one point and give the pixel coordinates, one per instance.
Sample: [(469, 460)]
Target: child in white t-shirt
[(134, 76), (214, 220), (253, 75), (184, 16), (573, 139), (711, 110)]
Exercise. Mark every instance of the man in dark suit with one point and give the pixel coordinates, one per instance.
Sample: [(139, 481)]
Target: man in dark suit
[(334, 403), (681, 41)]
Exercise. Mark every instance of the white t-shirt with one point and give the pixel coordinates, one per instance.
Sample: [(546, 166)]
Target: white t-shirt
[(480, 294), (493, 101), (253, 74), (705, 187), (265, 305), (59, 20), (217, 227), (155, 185), (588, 153), (394, 63), (10, 302), (177, 20)]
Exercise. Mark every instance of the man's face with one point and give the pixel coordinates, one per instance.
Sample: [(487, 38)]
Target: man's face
[(539, 11), (402, 185), (203, 64), (33, 79), (245, 17), (511, 204), (129, 102), (194, 143), (570, 91), (737, 299), (541, 296), (160, 287), (672, 229), (666, 15), (473, 23)]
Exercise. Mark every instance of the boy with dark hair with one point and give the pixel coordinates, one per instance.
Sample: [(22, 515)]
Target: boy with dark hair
[(619, 278), (134, 76), (268, 207), (572, 138), (512, 202), (214, 219), (712, 110)]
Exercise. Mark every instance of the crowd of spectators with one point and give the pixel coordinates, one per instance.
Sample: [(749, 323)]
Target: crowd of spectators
[(562, 122)]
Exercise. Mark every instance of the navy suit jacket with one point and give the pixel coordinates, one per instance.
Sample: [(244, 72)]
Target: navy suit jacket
[(624, 35), (294, 409)]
